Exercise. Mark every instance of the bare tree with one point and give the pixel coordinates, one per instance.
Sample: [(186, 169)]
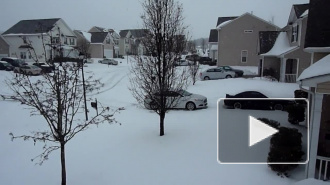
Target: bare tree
[(203, 45), (58, 98), (193, 69), (154, 78)]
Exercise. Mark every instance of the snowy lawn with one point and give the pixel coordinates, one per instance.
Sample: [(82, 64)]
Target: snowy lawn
[(133, 153)]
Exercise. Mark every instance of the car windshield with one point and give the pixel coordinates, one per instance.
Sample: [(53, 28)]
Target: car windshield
[(19, 61), (185, 93)]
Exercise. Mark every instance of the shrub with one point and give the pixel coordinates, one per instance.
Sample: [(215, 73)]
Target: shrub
[(296, 113), (285, 147), (271, 123)]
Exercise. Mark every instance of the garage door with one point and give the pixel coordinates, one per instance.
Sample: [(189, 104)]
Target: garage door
[(108, 53)]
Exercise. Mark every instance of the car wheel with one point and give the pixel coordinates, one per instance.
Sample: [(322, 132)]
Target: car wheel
[(206, 78), (228, 76), (237, 105), (190, 106), (278, 107), (30, 73)]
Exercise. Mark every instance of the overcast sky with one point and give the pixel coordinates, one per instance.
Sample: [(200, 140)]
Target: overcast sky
[(200, 15)]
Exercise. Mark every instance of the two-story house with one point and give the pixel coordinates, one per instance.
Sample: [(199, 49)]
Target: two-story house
[(131, 41), (316, 81), (238, 40), (41, 40), (114, 38), (286, 59)]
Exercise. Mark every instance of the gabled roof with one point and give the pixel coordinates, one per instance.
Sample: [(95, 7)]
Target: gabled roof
[(267, 40), (32, 26), (136, 33), (230, 21), (213, 35), (318, 27), (300, 9), (224, 19), (85, 35), (100, 28), (123, 33), (281, 46), (98, 37)]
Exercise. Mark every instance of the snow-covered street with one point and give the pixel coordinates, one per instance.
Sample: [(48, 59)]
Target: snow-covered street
[(132, 153)]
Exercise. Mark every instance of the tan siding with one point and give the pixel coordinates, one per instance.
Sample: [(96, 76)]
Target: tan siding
[(323, 87), (4, 47), (303, 57), (319, 56), (232, 40), (96, 50)]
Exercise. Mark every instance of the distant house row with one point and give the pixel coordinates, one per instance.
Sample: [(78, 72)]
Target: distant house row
[(44, 39), (248, 40)]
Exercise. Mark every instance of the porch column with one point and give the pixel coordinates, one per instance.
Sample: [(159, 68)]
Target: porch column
[(282, 69), (314, 128)]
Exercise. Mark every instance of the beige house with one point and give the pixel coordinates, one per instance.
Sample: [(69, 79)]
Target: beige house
[(130, 42), (316, 81), (238, 40), (286, 59)]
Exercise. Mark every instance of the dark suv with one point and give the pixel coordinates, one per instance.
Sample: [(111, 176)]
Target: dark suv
[(14, 61)]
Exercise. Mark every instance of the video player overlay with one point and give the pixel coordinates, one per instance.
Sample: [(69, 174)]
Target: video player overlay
[(263, 131)]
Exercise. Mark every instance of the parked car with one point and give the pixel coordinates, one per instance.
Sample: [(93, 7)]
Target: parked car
[(258, 101), (216, 73), (183, 62), (109, 61), (14, 61), (237, 71), (46, 68), (6, 66), (88, 60), (178, 100), (193, 57), (28, 69)]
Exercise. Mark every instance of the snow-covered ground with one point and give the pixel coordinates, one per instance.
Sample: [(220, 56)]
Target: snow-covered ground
[(133, 153)]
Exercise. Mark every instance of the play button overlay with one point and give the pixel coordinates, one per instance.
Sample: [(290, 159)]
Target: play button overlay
[(243, 139), (259, 131)]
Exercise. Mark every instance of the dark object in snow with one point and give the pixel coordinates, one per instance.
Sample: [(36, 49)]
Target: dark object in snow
[(285, 147)]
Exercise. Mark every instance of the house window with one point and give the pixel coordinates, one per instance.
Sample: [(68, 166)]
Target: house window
[(126, 41), (72, 41), (108, 41), (248, 31), (23, 55), (55, 40), (244, 56), (295, 32), (66, 40)]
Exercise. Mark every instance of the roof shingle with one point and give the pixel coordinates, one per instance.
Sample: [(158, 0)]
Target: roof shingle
[(32, 26)]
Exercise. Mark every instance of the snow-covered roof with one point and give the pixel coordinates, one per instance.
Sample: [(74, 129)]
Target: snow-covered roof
[(321, 67), (223, 24), (87, 35), (281, 46), (304, 14)]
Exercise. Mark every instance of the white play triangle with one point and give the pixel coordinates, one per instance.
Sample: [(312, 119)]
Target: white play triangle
[(259, 131)]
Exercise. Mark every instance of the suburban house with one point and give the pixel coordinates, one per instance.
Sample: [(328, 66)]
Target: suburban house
[(238, 40), (286, 58), (213, 38), (130, 41), (114, 38), (316, 81), (41, 40), (4, 47)]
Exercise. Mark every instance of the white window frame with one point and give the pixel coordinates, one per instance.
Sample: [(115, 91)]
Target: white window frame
[(295, 33), (23, 55), (244, 54)]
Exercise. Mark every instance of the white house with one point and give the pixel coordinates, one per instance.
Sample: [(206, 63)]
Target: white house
[(41, 40)]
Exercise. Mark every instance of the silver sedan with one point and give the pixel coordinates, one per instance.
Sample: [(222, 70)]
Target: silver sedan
[(216, 73), (109, 61)]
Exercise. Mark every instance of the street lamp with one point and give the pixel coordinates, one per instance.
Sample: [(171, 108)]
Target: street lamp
[(81, 62)]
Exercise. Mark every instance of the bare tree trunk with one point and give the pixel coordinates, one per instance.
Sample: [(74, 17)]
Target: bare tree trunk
[(162, 119), (63, 163)]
